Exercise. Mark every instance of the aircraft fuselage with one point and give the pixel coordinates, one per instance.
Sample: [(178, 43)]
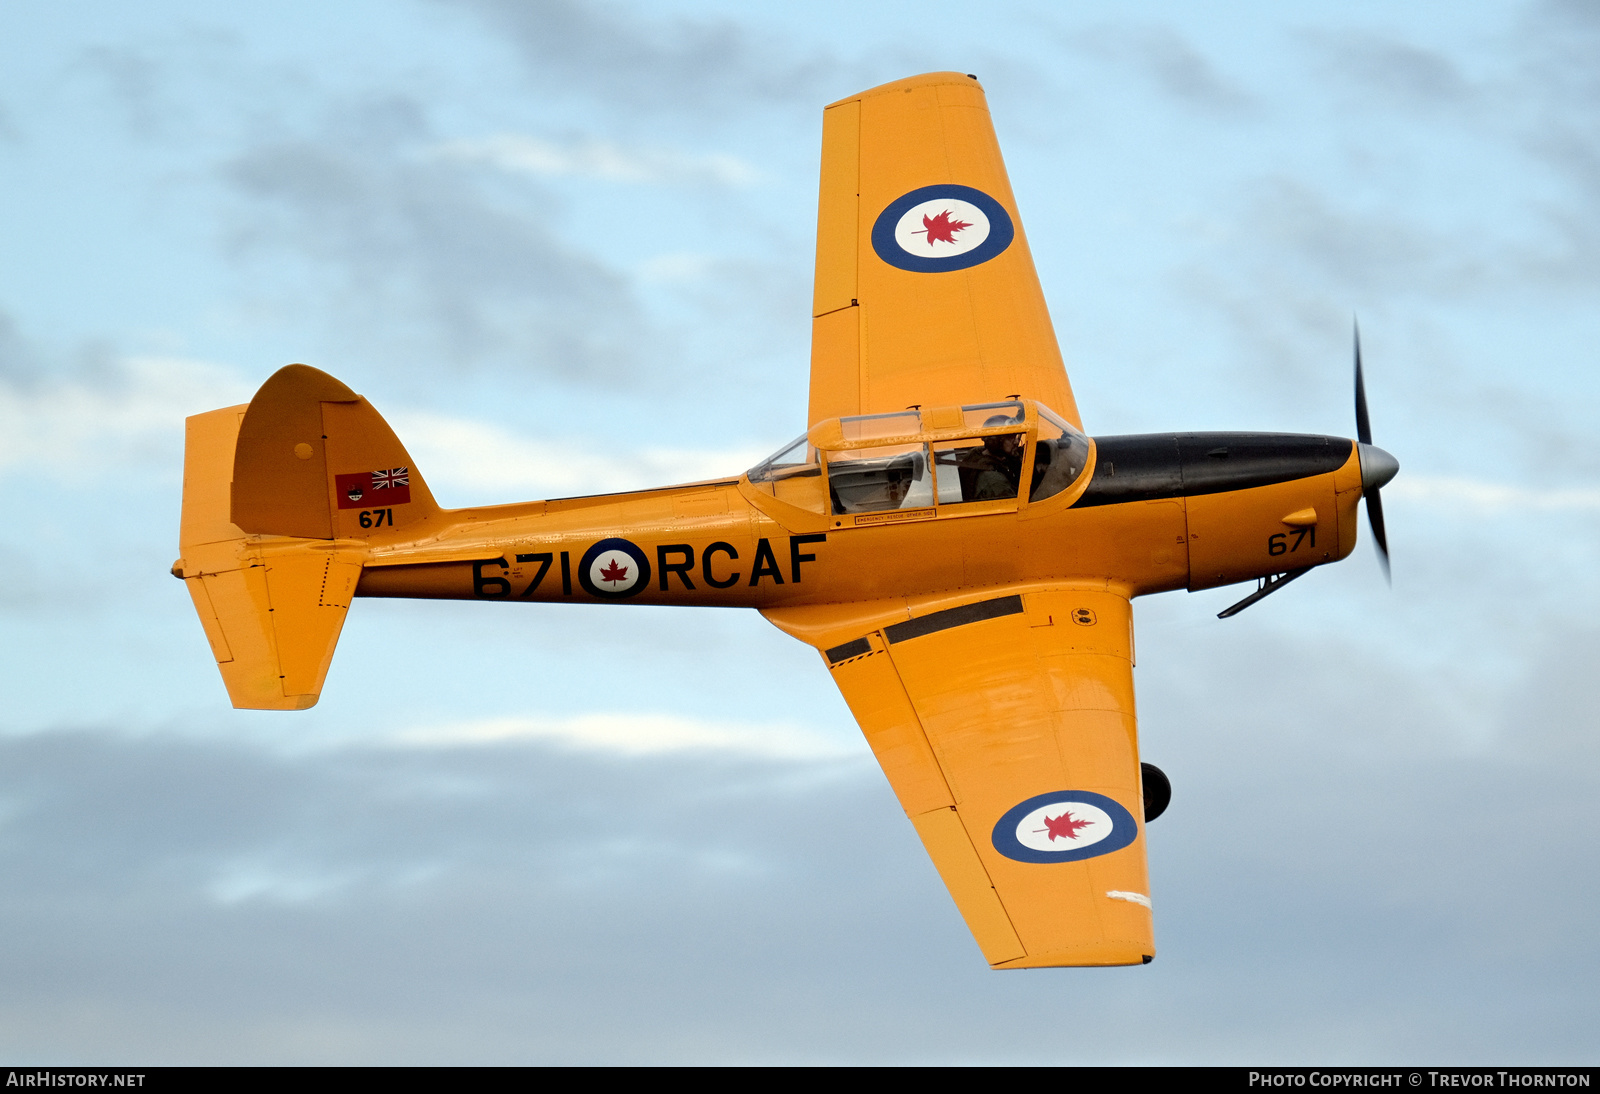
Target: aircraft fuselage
[(1156, 512)]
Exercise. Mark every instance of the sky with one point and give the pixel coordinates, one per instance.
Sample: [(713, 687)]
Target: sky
[(566, 246)]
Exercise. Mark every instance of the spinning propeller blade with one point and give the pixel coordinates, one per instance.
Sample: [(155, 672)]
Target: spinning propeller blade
[(1377, 466)]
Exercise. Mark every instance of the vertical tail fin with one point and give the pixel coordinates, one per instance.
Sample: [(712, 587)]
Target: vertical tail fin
[(312, 456)]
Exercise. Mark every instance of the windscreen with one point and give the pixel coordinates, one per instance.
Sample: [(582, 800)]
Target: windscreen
[(1059, 456), (793, 475)]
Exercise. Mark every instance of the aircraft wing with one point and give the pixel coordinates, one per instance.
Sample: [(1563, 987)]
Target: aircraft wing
[(925, 289), (1006, 727)]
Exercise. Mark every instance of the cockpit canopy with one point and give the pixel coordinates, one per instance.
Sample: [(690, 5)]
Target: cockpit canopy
[(927, 460)]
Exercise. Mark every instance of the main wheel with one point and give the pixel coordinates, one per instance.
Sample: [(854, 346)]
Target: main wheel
[(1157, 791)]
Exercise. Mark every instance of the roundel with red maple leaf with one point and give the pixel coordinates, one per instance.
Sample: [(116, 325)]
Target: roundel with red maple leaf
[(1065, 826), (613, 569), (934, 229)]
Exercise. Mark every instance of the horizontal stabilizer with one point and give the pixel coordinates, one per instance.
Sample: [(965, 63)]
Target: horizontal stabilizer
[(273, 622)]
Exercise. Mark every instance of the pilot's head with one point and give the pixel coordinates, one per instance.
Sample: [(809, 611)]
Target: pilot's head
[(1002, 444)]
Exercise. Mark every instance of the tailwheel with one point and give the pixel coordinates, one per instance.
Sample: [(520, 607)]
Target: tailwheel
[(1157, 791)]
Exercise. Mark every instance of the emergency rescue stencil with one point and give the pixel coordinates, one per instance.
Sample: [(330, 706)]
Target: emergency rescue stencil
[(613, 569), (1065, 826), (939, 228)]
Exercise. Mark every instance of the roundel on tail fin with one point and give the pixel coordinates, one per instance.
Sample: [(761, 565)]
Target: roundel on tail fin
[(936, 229)]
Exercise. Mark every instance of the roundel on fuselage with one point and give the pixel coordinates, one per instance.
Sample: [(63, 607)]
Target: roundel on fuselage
[(613, 569), (935, 229)]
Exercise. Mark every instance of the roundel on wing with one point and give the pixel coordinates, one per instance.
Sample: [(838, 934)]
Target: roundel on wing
[(935, 229), (1064, 826), (613, 569)]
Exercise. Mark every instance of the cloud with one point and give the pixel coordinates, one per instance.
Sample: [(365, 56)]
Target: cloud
[(1538, 95), (1170, 62), (1492, 498), (82, 425), (1464, 195), (1394, 71), (422, 264), (636, 735), (130, 411), (260, 879), (1555, 99), (17, 359), (1560, 38), (652, 63), (598, 159), (260, 869), (137, 86), (522, 900), (1296, 260), (678, 268), (1353, 251), (485, 460), (1295, 239)]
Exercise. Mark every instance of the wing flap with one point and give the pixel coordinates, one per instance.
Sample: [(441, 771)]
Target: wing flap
[(866, 676), (836, 365), (871, 687)]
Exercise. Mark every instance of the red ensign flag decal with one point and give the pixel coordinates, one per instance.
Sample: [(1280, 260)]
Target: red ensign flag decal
[(374, 489)]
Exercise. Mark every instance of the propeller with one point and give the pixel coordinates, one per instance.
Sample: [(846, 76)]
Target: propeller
[(1377, 466)]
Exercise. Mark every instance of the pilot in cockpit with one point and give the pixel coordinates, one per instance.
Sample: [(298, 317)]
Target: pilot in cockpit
[(997, 466)]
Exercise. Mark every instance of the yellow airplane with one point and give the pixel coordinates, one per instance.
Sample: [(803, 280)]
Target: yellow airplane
[(961, 555)]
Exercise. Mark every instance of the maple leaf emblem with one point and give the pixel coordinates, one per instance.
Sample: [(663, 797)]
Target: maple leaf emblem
[(1064, 826), (941, 229), (613, 572)]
